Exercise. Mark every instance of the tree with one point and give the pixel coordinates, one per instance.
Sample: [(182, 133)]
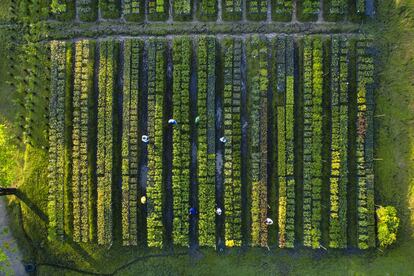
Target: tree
[(388, 223)]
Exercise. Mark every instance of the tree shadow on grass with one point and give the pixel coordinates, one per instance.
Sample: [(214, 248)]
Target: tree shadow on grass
[(67, 239)]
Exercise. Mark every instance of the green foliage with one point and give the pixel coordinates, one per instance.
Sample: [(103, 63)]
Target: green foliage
[(206, 153), (256, 9), (282, 10), (232, 9), (9, 155), (207, 9), (110, 9), (130, 140), (232, 54), (388, 223), (181, 138), (257, 87)]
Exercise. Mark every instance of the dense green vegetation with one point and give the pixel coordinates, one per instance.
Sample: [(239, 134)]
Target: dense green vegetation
[(392, 156)]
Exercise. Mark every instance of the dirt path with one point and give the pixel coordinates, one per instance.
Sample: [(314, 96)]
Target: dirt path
[(8, 245)]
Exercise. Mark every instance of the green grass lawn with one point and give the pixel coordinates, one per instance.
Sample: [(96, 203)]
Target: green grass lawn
[(394, 37)]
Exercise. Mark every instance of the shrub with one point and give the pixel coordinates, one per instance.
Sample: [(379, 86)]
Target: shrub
[(9, 155), (388, 223)]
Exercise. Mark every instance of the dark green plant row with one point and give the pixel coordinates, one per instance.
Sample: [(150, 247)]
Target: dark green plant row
[(365, 145), (182, 10), (155, 132), (106, 88), (312, 164), (232, 58), (257, 91), (206, 152), (82, 91), (182, 50), (56, 135), (130, 139), (285, 140), (268, 66), (339, 142)]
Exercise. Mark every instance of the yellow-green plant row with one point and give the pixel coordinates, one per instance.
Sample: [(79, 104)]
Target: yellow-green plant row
[(206, 151), (232, 57), (130, 139), (181, 138), (57, 140), (339, 142), (80, 180), (156, 91), (365, 145), (105, 140), (257, 89), (312, 163), (285, 140)]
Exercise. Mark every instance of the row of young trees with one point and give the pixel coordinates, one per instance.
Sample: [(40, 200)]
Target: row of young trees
[(56, 168), (339, 142), (312, 141), (232, 63), (82, 87), (365, 145), (182, 51), (105, 133), (155, 132), (257, 91), (130, 139), (285, 140), (206, 139)]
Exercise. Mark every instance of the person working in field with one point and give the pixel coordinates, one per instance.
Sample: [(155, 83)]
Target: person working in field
[(219, 211)]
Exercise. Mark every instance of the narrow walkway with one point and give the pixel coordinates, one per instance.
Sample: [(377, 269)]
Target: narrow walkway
[(8, 246)]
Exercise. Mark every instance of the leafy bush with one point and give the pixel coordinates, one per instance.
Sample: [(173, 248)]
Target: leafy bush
[(388, 223), (8, 158)]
